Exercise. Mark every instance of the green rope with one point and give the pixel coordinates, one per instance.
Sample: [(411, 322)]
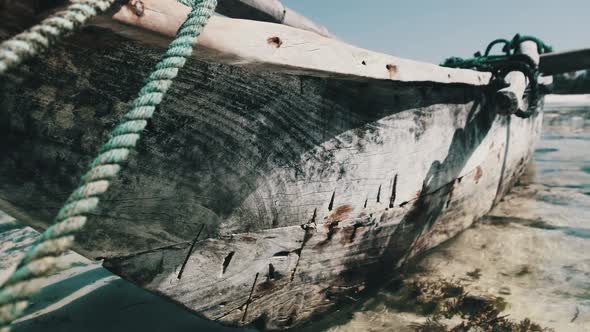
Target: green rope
[(42, 258), (541, 46), (505, 49), (45, 34), (487, 62), (501, 65)]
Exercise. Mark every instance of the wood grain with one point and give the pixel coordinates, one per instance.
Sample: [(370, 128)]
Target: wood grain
[(279, 48)]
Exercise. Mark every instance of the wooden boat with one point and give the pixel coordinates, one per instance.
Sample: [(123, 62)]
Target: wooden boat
[(285, 174)]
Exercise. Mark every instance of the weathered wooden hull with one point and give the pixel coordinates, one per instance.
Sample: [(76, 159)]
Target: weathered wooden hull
[(256, 197)]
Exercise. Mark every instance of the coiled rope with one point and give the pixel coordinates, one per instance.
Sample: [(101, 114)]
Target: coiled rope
[(501, 64), (45, 34), (42, 259)]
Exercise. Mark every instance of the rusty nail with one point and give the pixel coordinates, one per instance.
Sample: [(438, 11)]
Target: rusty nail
[(137, 7), (276, 41), (331, 205)]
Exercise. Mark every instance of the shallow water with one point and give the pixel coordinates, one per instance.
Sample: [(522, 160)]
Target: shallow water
[(530, 258)]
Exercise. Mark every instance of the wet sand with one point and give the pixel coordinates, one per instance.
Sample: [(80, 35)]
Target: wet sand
[(529, 258)]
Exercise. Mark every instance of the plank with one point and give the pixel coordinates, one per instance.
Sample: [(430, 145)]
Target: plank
[(564, 62), (279, 48)]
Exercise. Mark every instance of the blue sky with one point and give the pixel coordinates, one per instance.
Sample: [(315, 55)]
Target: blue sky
[(432, 30)]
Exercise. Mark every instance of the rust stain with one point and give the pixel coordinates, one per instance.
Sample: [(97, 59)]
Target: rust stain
[(392, 69), (274, 41), (332, 229), (478, 174), (349, 233), (340, 213), (248, 239)]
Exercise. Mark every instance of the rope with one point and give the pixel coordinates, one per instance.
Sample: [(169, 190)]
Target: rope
[(45, 34), (487, 62), (42, 259), (501, 65)]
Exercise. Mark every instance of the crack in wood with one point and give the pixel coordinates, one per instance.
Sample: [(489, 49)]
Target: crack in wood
[(504, 161), (315, 212), (249, 298), (331, 205), (190, 251), (124, 257), (446, 185), (379, 194), (226, 261), (226, 314), (393, 192), (306, 237)]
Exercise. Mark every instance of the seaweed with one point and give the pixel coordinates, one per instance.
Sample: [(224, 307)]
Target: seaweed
[(475, 274), (445, 299)]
